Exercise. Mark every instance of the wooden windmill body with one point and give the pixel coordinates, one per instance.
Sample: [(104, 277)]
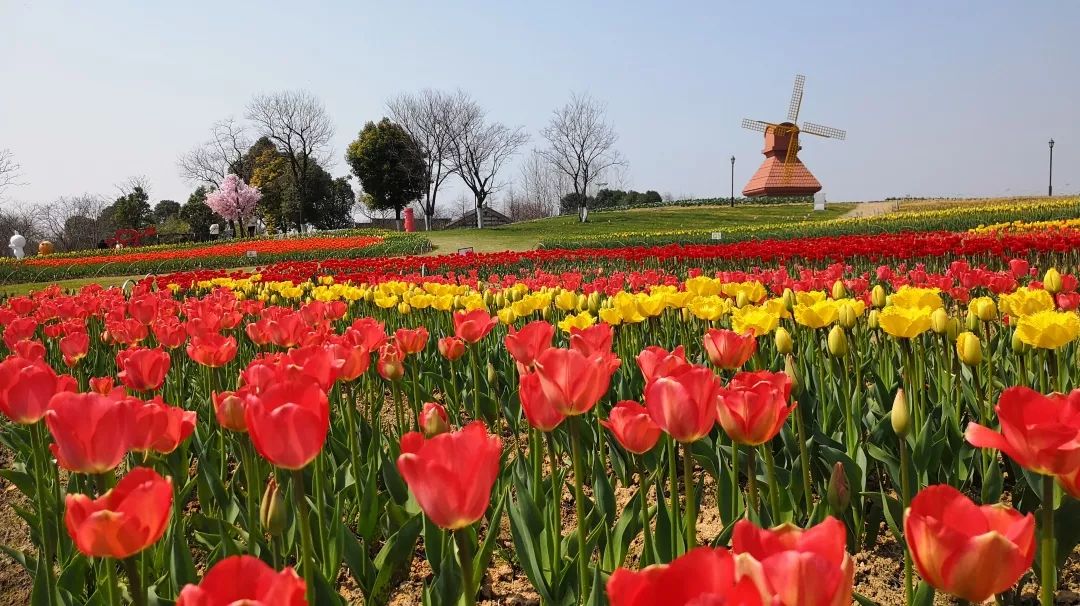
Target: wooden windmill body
[(782, 173)]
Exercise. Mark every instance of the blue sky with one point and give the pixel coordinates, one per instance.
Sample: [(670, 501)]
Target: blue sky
[(938, 98)]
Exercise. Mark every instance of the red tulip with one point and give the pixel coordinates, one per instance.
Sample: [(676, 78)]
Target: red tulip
[(538, 411), (1071, 483), (372, 332), (969, 551), (143, 308), (1041, 433), (353, 359), (411, 341), (451, 475), (316, 362), (797, 567), (656, 362), (472, 326), (30, 350), (26, 387), (702, 577), (74, 347), (242, 579), (433, 420), (753, 407), (19, 329), (595, 339), (123, 521), (526, 344), (288, 421), (728, 349), (633, 427), (103, 385), (684, 404), (571, 381), (229, 410), (90, 431), (157, 426), (391, 363), (169, 332), (213, 350), (143, 369), (451, 348)]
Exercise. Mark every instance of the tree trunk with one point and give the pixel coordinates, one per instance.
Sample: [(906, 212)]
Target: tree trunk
[(397, 218), (479, 215), (427, 222)]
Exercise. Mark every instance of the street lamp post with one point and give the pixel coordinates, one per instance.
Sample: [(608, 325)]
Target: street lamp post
[(733, 182), (1050, 189)]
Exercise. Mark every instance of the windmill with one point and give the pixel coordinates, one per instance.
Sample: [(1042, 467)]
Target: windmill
[(782, 173)]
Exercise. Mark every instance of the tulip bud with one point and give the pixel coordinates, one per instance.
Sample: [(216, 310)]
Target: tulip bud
[(969, 348), (872, 319), (491, 375), (972, 321), (272, 509), (404, 308), (846, 316), (594, 301), (900, 418), (838, 345), (952, 329), (839, 492), (1018, 345), (985, 309), (433, 420), (1052, 281), (783, 341), (686, 314), (838, 290), (789, 370), (939, 320), (877, 297), (741, 300), (789, 299)]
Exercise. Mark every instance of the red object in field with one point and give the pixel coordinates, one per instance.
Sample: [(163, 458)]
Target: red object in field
[(410, 220)]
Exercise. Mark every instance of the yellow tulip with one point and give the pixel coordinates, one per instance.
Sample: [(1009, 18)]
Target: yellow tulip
[(904, 322), (1025, 301), (939, 321), (969, 348), (1048, 329), (837, 341), (817, 315), (838, 290), (757, 319), (610, 315), (1052, 281), (878, 296), (784, 345), (913, 297), (580, 321), (984, 308)]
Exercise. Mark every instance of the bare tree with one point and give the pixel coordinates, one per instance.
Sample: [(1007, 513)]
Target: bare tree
[(209, 163), (74, 223), (581, 144), (298, 123), (20, 221), (480, 149), (9, 170), (132, 183), (542, 185), (429, 118)]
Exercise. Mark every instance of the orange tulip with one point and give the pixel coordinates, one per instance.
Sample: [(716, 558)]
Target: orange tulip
[(472, 326), (157, 426), (538, 411), (213, 350), (633, 427), (288, 421), (969, 551), (90, 431), (728, 349), (1041, 433), (451, 348), (245, 580), (753, 407), (229, 410), (26, 387), (526, 344), (656, 362), (684, 403), (595, 339), (143, 369), (571, 381), (433, 420), (702, 577), (411, 341), (123, 521)]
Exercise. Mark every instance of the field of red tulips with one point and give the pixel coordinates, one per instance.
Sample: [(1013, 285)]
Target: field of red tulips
[(824, 421)]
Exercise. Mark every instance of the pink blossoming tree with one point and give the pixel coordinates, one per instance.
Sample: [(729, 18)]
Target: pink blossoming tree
[(235, 201)]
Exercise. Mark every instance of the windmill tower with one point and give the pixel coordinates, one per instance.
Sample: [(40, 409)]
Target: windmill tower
[(782, 173)]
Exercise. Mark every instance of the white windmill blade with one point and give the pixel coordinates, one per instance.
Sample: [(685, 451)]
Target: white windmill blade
[(823, 131), (796, 98)]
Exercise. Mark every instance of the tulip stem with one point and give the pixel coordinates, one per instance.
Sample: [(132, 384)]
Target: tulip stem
[(465, 559), (752, 487), (45, 559), (474, 361), (304, 519), (774, 488), (673, 477), (246, 450), (736, 490), (556, 492), (905, 495), (395, 391), (1049, 547), (112, 588), (579, 504), (648, 554), (691, 500), (131, 567), (804, 459)]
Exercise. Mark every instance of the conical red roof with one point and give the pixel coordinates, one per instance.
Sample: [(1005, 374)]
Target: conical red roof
[(769, 180)]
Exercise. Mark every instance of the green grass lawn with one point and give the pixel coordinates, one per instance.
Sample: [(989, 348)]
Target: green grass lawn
[(526, 235), (13, 290)]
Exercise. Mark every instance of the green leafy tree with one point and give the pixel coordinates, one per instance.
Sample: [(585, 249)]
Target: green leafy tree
[(198, 215), (389, 164), (334, 211), (653, 197), (571, 202), (166, 209), (132, 210)]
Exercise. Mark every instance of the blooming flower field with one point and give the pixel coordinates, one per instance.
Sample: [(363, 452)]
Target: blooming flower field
[(704, 424)]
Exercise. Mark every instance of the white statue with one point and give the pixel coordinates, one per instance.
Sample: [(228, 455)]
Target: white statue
[(16, 245)]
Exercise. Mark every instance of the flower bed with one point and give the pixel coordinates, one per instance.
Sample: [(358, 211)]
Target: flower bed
[(760, 421), (232, 253), (955, 218)]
